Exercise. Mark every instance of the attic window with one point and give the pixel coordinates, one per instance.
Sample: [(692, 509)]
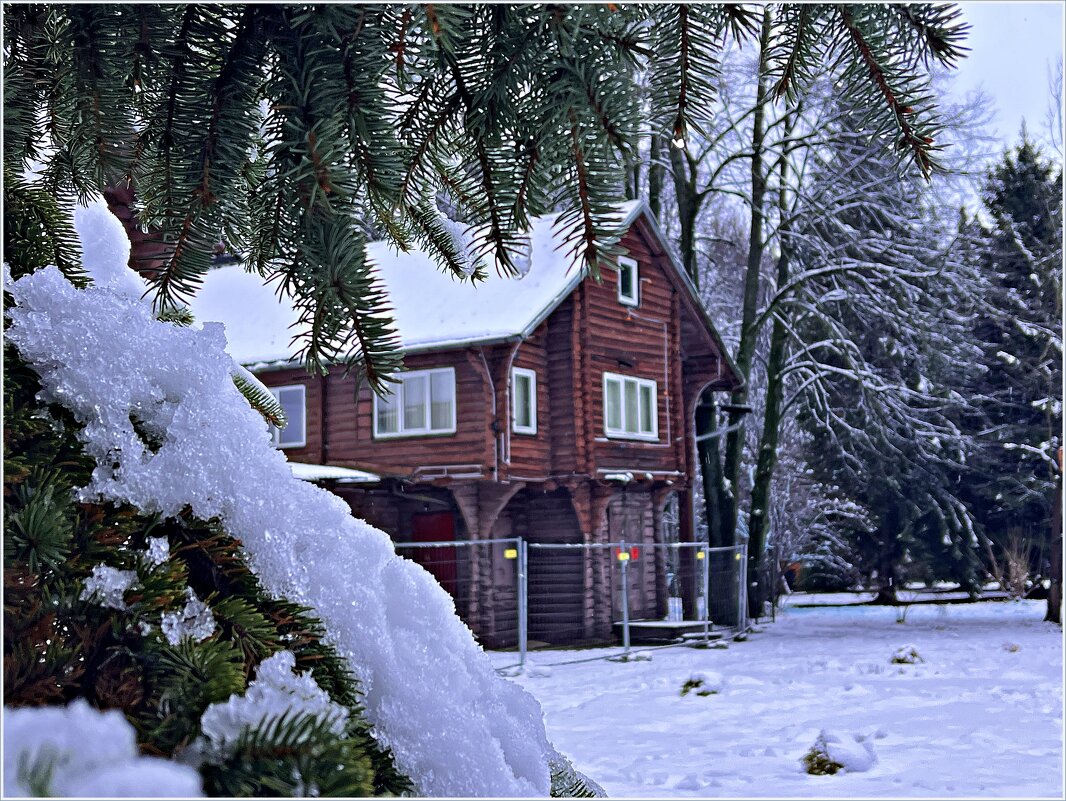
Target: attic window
[(523, 401), (628, 282), (293, 401)]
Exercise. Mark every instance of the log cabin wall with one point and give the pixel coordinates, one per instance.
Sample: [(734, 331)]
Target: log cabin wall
[(557, 580), (630, 517), (560, 374), (313, 411), (468, 451), (639, 342), (528, 456)]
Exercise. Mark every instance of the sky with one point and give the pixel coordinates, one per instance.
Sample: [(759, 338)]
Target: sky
[(1014, 47)]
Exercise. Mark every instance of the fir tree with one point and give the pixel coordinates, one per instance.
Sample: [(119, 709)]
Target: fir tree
[(293, 132), (882, 343), (1017, 246)]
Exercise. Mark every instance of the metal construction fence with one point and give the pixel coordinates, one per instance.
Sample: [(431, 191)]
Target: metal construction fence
[(528, 595)]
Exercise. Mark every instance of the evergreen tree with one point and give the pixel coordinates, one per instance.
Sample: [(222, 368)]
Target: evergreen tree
[(1017, 246), (883, 346), (86, 588), (291, 132)]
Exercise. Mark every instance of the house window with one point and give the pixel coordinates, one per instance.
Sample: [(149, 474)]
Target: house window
[(630, 407), (628, 282), (523, 401), (293, 402), (422, 402)]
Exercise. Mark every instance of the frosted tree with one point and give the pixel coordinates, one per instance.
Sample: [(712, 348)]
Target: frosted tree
[(880, 354), (1016, 243), (754, 153)]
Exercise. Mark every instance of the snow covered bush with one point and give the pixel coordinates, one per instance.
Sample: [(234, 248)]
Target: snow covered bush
[(906, 655), (832, 754), (703, 684), (123, 430)]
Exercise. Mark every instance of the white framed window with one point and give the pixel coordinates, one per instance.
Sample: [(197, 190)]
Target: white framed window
[(523, 401), (421, 403), (293, 400), (630, 407), (628, 281)]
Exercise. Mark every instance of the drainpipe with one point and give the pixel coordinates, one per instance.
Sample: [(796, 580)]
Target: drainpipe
[(495, 421), (507, 405)]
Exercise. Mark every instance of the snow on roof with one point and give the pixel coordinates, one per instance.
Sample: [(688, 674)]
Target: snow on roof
[(322, 472), (431, 308)]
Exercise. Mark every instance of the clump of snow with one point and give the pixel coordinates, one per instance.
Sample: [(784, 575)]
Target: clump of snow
[(1011, 647), (276, 691), (461, 242), (522, 255), (107, 586), (195, 622), (105, 249), (158, 551), (453, 725), (906, 655), (703, 684), (832, 753), (89, 753)]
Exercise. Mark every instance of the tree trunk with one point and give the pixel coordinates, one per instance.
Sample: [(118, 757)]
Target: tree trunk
[(709, 455), (689, 199), (756, 245), (656, 173), (148, 251), (1054, 595), (888, 557), (766, 460), (758, 520)]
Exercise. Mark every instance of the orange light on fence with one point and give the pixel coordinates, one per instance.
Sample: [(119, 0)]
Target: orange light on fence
[(737, 557), (699, 554), (623, 556), (510, 553)]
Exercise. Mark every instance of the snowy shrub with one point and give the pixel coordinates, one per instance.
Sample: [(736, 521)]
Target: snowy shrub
[(832, 754), (906, 655), (79, 751), (260, 551), (703, 684)]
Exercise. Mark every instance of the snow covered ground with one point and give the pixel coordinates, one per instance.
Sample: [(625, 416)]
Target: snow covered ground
[(982, 716)]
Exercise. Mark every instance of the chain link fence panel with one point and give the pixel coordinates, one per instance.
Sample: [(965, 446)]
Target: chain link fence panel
[(522, 595)]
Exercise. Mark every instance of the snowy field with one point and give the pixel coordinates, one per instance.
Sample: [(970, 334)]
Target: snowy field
[(981, 717)]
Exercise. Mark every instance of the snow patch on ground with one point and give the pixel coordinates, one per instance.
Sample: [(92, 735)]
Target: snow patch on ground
[(453, 725), (976, 720)]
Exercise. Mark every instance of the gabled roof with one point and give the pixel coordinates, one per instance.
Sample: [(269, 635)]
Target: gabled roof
[(432, 310)]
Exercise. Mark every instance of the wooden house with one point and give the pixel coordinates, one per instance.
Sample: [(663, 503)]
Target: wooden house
[(553, 407)]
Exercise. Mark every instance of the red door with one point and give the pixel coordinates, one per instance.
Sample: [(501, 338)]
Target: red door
[(441, 560)]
